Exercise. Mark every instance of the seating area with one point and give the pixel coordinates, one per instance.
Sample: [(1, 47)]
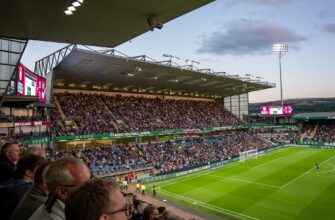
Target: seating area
[(165, 156), (94, 114)]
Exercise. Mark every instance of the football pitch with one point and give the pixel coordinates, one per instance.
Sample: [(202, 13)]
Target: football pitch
[(283, 184)]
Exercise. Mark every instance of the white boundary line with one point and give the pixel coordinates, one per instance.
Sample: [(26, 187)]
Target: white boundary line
[(203, 173), (209, 206), (260, 165), (304, 173), (326, 171), (245, 181)]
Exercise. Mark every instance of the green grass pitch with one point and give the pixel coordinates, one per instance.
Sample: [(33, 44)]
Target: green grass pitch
[(283, 184)]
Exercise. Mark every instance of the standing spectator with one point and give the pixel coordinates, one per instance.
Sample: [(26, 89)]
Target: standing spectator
[(62, 178), (12, 190), (34, 198), (97, 199), (10, 154)]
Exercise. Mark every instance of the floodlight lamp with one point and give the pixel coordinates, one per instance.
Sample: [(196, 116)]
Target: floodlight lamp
[(68, 12), (71, 8), (280, 48), (80, 1), (76, 4)]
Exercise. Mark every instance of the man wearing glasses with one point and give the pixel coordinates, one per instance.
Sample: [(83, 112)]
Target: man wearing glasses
[(62, 178), (98, 200)]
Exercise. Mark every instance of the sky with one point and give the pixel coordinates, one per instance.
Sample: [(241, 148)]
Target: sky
[(236, 36)]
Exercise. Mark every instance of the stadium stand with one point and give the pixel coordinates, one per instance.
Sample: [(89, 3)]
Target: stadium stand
[(165, 156), (105, 114)]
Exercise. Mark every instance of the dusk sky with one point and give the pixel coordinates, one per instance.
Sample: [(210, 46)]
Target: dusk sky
[(236, 36)]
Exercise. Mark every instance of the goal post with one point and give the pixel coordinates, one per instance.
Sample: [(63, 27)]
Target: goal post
[(249, 154)]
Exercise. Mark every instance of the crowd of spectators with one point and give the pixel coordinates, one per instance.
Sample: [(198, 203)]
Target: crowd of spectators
[(31, 187), (95, 113), (88, 112), (325, 133), (165, 156), (12, 118)]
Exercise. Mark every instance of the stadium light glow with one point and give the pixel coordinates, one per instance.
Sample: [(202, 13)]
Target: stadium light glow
[(280, 49), (76, 4), (68, 12), (73, 6)]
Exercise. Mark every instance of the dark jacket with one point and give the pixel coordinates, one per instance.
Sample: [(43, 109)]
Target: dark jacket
[(29, 203), (11, 193), (7, 169)]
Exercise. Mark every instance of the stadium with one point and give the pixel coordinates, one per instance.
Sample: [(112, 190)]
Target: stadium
[(177, 141)]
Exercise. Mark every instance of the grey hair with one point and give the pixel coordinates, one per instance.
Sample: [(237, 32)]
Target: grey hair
[(34, 150), (57, 173)]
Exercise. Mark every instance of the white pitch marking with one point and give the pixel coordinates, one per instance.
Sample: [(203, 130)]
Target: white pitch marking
[(209, 206), (246, 181), (304, 173)]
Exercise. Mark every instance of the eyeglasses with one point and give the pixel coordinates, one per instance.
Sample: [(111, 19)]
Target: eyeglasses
[(127, 209)]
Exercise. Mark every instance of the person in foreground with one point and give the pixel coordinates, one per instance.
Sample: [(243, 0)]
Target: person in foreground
[(97, 200), (33, 198), (62, 178), (10, 154), (12, 190)]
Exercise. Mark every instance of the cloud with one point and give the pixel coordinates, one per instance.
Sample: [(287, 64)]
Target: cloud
[(248, 37), (330, 28), (325, 14)]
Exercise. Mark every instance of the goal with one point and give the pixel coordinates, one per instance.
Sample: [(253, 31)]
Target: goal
[(249, 154)]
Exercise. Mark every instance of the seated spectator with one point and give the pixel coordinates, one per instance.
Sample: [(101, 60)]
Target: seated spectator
[(12, 190), (97, 199), (33, 198), (62, 177), (10, 154)]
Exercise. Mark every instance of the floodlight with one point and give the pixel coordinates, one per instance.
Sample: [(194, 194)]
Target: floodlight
[(71, 8), (68, 12), (76, 4), (280, 49)]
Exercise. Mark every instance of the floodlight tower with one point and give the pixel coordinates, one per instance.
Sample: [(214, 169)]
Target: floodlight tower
[(170, 58), (280, 49)]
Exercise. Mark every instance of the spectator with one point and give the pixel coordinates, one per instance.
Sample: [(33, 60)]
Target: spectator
[(150, 212), (97, 199), (10, 154), (35, 150), (62, 177), (34, 198), (12, 190)]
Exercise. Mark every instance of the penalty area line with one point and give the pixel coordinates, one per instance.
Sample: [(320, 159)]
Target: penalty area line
[(209, 206)]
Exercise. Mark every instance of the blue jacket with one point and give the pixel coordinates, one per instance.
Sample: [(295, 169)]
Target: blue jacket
[(11, 193)]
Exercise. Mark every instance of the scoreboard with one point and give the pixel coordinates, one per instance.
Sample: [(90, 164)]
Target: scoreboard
[(276, 110), (30, 84)]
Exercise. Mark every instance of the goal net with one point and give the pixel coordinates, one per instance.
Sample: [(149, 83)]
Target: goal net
[(249, 154)]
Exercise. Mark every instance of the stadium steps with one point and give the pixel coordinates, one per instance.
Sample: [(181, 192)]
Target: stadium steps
[(315, 130), (114, 121), (302, 136), (62, 115)]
